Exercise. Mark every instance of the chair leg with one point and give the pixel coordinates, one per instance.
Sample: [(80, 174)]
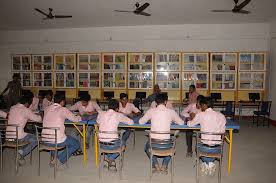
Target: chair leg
[(39, 161), (172, 169), (150, 167), (263, 120), (31, 158), (1, 151), (100, 165), (55, 167), (219, 171), (197, 168), (134, 139), (120, 166), (16, 160), (67, 157), (268, 121), (257, 120)]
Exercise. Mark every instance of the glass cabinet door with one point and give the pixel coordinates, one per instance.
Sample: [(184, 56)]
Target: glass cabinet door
[(42, 62), (223, 81), (42, 79), (60, 80), (195, 61), (167, 61), (138, 80), (89, 80), (64, 79), (258, 63), (37, 63), (114, 80), (25, 78), (167, 80), (200, 80), (140, 61), (89, 62), (21, 63), (38, 79), (255, 80), (94, 80), (252, 62), (48, 80), (65, 62), (83, 62), (223, 61)]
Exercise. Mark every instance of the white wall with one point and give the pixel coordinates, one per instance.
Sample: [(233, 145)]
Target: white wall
[(199, 37), (272, 69)]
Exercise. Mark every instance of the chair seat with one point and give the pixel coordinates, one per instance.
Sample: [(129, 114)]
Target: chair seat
[(210, 155), (227, 112), (13, 143), (50, 148), (258, 113), (167, 152), (119, 150)]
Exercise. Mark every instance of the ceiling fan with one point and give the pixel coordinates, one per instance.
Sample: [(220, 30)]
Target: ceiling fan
[(237, 8), (138, 11), (50, 14)]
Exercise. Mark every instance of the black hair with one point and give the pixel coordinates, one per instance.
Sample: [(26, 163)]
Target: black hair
[(207, 101), (165, 96), (192, 86), (160, 98), (123, 95), (199, 98), (25, 100), (16, 75), (113, 104), (59, 98), (49, 92), (85, 97)]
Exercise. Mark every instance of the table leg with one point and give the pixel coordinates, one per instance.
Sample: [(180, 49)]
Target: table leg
[(84, 144), (96, 145), (230, 150), (240, 112)]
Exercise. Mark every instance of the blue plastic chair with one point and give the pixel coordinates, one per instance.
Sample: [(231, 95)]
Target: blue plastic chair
[(264, 112)]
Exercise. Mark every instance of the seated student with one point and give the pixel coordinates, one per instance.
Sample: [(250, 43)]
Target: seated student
[(108, 121), (19, 115), (212, 122), (48, 100), (168, 103), (3, 114), (156, 91), (189, 112), (35, 102), (86, 106), (192, 94), (128, 109), (55, 116), (161, 118)]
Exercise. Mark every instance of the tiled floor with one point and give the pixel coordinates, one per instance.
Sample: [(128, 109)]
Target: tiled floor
[(254, 161)]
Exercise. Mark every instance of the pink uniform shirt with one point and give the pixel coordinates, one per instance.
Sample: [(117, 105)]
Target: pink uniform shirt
[(168, 105), (109, 121), (55, 116), (192, 97), (161, 118), (3, 114), (210, 121), (34, 105), (46, 103), (91, 107), (128, 109), (191, 108), (19, 115)]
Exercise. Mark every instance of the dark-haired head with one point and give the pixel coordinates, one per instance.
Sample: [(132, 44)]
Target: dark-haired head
[(198, 99), (160, 98), (85, 98), (206, 103), (49, 95), (26, 101), (123, 95), (192, 88), (59, 99), (124, 99), (113, 104), (16, 76)]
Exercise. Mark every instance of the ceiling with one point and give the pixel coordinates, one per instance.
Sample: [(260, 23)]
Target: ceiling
[(20, 14)]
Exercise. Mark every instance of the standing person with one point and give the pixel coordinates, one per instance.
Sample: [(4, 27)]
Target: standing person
[(189, 113), (108, 122), (156, 91), (55, 116), (48, 100), (14, 88), (19, 115), (161, 119), (192, 94), (211, 122)]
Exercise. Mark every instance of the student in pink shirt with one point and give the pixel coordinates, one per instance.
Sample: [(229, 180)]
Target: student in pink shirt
[(129, 110), (86, 107), (3, 114), (189, 112), (161, 119), (212, 122), (168, 103), (108, 121), (19, 115), (192, 94), (55, 116), (48, 100), (35, 102)]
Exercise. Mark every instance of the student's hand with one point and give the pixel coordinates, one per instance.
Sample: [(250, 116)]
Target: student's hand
[(130, 115), (192, 115)]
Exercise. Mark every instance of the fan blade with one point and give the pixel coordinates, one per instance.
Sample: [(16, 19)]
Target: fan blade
[(243, 12), (38, 10), (236, 1), (242, 5), (141, 8), (124, 11), (62, 16), (145, 14), (221, 11)]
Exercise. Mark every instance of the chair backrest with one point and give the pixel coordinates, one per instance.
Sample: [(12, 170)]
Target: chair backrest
[(8, 133), (164, 143), (229, 107), (108, 136), (211, 139), (265, 106), (48, 137)]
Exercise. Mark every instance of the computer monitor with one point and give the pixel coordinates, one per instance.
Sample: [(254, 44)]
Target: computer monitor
[(254, 96), (109, 95), (81, 93), (63, 93), (187, 95), (42, 93), (25, 92), (141, 95), (216, 96)]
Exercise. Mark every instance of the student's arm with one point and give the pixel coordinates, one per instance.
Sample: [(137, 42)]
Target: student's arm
[(195, 121), (135, 110), (145, 118), (123, 119), (177, 119), (69, 115), (186, 111), (6, 89), (97, 107), (3, 114), (74, 107), (34, 117), (153, 105)]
